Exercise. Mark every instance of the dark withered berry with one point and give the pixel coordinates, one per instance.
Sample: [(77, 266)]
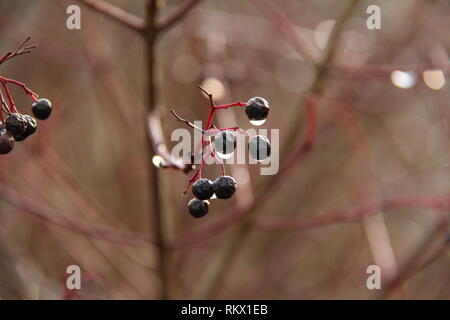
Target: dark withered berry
[(224, 187), (31, 126), (259, 148), (203, 189), (257, 108), (6, 142), (198, 208), (16, 124), (42, 108), (225, 142)]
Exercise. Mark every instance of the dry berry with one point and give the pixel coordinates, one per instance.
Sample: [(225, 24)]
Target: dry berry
[(259, 148), (203, 189), (257, 108), (42, 108), (198, 208), (224, 187), (16, 124)]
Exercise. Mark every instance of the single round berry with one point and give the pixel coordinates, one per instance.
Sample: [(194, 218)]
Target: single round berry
[(30, 128), (259, 148), (257, 108), (16, 124), (198, 208), (224, 187), (203, 189), (42, 108), (225, 143), (6, 142)]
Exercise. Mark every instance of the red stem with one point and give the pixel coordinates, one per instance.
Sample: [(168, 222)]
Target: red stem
[(9, 96), (29, 92)]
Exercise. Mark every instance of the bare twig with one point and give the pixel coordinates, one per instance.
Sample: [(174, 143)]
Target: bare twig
[(124, 17), (178, 15), (21, 49), (187, 122), (209, 95)]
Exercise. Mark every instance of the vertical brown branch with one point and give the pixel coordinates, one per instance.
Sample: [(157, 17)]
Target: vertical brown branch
[(151, 34)]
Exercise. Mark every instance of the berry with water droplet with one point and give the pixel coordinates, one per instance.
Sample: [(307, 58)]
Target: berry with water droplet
[(257, 109)]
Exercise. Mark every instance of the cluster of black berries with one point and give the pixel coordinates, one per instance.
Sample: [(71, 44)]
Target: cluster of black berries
[(257, 110), (18, 127), (203, 189)]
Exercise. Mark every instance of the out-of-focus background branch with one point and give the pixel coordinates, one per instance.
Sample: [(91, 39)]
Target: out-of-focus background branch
[(364, 144)]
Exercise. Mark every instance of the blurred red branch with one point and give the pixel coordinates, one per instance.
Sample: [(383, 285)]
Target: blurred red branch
[(421, 256), (299, 222), (122, 16), (287, 29), (49, 215)]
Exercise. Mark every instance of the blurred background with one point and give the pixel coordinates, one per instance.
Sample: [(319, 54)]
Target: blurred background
[(370, 187)]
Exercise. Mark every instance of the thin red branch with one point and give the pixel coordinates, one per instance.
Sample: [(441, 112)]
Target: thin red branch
[(20, 50), (27, 91), (9, 96), (118, 14)]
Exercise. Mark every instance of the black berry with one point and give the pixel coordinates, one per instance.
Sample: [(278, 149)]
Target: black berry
[(257, 108), (224, 187), (198, 208), (203, 189), (16, 124), (42, 108), (225, 142), (30, 128), (6, 142), (259, 148)]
